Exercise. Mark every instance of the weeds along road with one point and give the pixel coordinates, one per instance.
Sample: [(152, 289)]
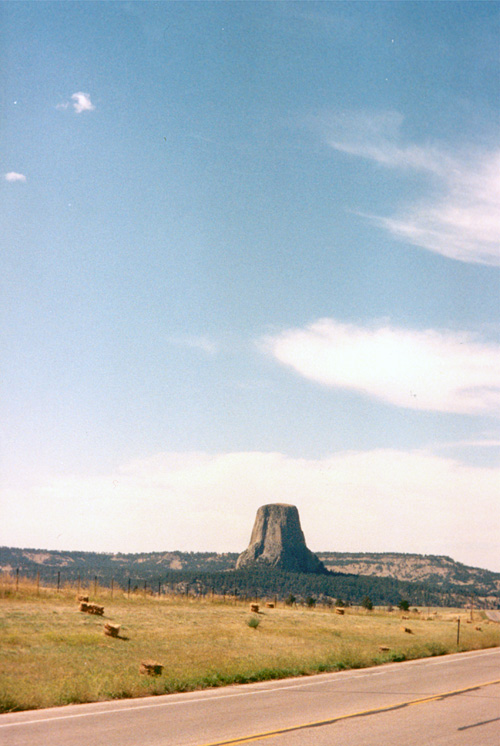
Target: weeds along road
[(452, 700)]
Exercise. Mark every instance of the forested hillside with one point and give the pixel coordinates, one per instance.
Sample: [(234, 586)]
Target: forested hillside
[(442, 572), (384, 578)]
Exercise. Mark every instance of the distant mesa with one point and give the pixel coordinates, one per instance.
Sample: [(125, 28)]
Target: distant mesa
[(278, 541)]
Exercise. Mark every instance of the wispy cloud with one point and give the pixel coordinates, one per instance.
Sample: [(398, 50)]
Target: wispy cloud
[(430, 370), (485, 443), (346, 502), (377, 136), (194, 342), (14, 176), (463, 222)]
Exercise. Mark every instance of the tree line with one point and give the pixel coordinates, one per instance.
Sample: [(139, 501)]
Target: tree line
[(258, 583)]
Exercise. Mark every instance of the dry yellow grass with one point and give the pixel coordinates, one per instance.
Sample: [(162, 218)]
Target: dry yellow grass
[(53, 654)]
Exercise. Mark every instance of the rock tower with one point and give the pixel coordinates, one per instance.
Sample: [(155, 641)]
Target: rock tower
[(277, 540)]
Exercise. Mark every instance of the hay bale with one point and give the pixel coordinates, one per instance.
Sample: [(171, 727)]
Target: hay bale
[(478, 629), (339, 610), (384, 648), (403, 616), (91, 608), (83, 598), (254, 608), (407, 629), (111, 630), (269, 605), (151, 668)]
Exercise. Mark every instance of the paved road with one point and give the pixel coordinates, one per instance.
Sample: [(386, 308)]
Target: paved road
[(452, 700)]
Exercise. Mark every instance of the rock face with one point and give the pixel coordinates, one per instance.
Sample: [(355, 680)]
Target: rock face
[(277, 540)]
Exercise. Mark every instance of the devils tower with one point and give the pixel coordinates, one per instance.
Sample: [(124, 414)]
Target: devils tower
[(278, 541)]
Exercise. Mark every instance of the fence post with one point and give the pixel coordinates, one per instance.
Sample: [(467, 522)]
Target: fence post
[(95, 585), (17, 579), (78, 583), (112, 584), (128, 590), (458, 631), (58, 579), (159, 588), (38, 582)]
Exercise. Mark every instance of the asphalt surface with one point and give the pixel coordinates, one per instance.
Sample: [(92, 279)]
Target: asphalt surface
[(452, 700)]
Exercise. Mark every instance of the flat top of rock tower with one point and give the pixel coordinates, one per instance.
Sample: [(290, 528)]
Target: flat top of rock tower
[(279, 505)]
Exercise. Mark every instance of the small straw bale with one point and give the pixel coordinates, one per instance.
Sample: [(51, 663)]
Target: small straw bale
[(384, 648), (254, 608), (269, 605), (151, 668), (83, 598), (407, 629), (478, 629), (91, 608), (339, 610), (111, 630)]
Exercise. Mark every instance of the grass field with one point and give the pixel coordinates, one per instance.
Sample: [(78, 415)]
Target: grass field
[(53, 654)]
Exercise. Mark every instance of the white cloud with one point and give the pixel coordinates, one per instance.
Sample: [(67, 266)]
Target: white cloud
[(463, 223), (380, 500), (82, 102), (427, 370), (14, 176), (376, 136)]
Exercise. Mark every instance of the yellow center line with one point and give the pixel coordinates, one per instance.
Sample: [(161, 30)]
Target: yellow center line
[(361, 713)]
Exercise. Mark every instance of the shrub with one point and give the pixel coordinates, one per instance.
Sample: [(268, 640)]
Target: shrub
[(366, 603), (253, 622)]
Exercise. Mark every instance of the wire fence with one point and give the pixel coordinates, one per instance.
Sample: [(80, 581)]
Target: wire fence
[(180, 584), (16, 582)]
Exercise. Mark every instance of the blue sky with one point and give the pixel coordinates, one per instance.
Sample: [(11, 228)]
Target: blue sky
[(250, 253)]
